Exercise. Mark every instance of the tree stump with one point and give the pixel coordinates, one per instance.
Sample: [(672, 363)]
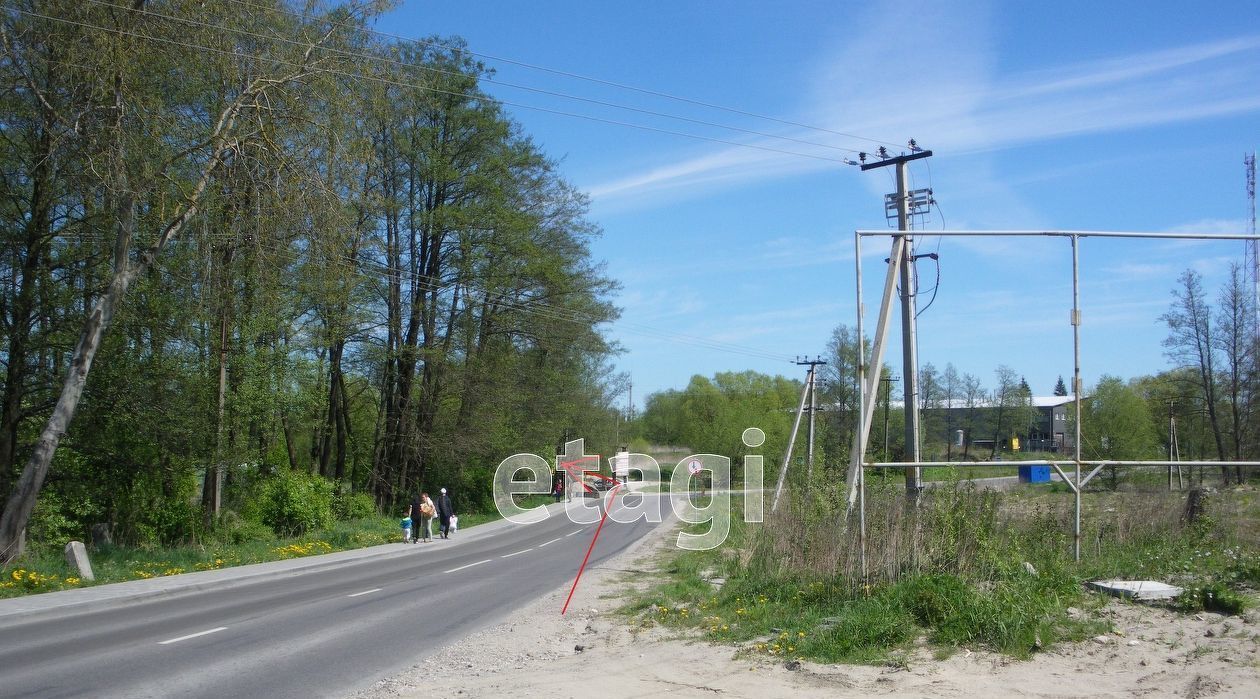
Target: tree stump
[(1195, 506)]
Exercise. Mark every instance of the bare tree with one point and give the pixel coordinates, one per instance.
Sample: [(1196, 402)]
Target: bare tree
[(1190, 343), (1235, 342)]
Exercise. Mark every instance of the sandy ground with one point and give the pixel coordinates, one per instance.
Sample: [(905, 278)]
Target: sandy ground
[(591, 652)]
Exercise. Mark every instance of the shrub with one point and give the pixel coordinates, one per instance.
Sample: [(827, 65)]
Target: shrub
[(49, 527), (348, 506), (168, 522), (1212, 597), (244, 531), (295, 503)]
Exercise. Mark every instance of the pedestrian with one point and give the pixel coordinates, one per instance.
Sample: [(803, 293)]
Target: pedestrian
[(427, 511), (406, 525), (445, 510), (416, 509)]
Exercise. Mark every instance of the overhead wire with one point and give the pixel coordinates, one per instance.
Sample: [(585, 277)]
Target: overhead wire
[(535, 308), (577, 76), (416, 86), (480, 79)]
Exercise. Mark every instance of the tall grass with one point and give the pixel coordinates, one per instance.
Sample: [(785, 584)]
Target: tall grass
[(964, 567)]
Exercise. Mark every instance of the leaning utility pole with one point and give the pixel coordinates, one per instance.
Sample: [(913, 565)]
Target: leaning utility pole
[(806, 394), (909, 358)]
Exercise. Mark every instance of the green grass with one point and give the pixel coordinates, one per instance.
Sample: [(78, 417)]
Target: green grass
[(790, 593), (947, 473), (48, 572)]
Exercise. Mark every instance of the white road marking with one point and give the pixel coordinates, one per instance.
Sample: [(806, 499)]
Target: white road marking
[(191, 635), (509, 555), (551, 542), (452, 570), (365, 592), (576, 532)]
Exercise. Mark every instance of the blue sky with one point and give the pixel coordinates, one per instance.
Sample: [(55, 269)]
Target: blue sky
[(1127, 116)]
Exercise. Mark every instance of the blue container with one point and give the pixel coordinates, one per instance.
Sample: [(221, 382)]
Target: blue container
[(1034, 474)]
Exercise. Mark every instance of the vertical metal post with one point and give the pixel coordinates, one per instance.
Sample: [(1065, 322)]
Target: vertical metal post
[(862, 518), (1076, 389), (909, 343), (1170, 443)]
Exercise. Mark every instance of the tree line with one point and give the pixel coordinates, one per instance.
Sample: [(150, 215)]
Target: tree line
[(1207, 397), (241, 239)]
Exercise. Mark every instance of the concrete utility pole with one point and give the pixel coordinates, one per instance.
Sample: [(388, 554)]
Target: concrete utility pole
[(806, 392), (909, 356)]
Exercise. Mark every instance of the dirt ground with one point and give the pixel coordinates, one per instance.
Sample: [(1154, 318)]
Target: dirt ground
[(591, 652)]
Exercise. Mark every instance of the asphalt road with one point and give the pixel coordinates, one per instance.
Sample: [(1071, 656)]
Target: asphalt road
[(319, 632)]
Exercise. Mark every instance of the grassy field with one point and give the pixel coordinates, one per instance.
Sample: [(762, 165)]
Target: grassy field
[(967, 568), (47, 573)]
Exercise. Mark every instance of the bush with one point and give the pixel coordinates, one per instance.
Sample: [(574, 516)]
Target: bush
[(244, 531), (348, 506), (295, 503), (1212, 597), (49, 528), (168, 522)]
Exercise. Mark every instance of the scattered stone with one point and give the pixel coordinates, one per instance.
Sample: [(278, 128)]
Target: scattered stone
[(77, 559), (1227, 659), (1102, 640), (792, 665), (1135, 642), (1209, 633), (1074, 613), (579, 648), (774, 629), (1030, 569), (1143, 662)]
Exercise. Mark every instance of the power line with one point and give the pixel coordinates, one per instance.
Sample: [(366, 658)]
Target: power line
[(577, 76), (397, 83), (481, 79)]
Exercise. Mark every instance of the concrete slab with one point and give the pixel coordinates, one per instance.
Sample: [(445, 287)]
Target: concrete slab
[(1141, 590)]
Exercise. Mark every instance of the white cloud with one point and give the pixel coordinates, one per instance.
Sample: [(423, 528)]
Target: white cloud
[(946, 89)]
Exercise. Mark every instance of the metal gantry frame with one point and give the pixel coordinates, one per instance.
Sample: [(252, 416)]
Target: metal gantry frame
[(868, 371)]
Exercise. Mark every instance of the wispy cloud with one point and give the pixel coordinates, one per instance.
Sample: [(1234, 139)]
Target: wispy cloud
[(959, 99)]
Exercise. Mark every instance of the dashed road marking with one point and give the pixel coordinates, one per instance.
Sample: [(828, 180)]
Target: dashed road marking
[(517, 553), (453, 570), (365, 592), (192, 635)]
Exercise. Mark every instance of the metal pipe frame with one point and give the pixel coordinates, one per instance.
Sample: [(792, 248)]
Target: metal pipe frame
[(868, 372)]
